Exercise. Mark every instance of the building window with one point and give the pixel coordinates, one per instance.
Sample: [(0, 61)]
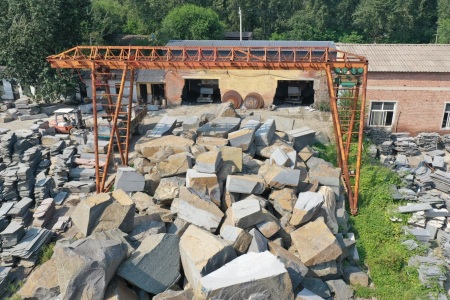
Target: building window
[(382, 114), (446, 120)]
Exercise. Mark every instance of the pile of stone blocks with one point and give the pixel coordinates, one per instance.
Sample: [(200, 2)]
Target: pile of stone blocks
[(231, 209)]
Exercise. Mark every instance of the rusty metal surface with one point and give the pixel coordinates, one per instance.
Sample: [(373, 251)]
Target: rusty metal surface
[(205, 57)]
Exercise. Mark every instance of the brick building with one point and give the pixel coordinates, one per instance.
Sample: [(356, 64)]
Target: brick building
[(184, 86), (408, 86)]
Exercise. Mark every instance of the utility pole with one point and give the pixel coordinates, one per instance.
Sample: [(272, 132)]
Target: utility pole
[(240, 24)]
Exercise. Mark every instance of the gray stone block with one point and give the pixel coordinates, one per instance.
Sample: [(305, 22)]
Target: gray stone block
[(307, 205), (86, 266), (191, 208), (239, 238), (317, 286), (164, 127), (301, 137), (245, 184), (208, 162), (87, 212), (219, 127), (265, 133), (129, 180), (246, 213), (202, 253), (155, 266), (296, 269), (259, 242), (248, 277), (322, 246)]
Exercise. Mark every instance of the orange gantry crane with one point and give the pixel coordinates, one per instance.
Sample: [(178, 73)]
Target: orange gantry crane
[(346, 79)]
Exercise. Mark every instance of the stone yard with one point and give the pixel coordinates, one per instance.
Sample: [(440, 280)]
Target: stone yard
[(219, 205)]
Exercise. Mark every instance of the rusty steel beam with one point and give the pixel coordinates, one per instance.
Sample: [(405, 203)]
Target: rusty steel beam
[(206, 57)]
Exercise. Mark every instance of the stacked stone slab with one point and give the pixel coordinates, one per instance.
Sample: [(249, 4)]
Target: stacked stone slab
[(427, 141), (7, 146), (63, 166)]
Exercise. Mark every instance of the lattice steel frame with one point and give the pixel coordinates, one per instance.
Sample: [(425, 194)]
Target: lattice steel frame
[(348, 119)]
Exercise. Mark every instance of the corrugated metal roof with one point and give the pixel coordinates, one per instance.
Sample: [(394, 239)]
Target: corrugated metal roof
[(250, 43), (416, 58), (150, 76)]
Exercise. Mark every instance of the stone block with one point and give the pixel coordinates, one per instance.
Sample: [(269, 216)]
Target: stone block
[(42, 282), (328, 209), (245, 184), (211, 143), (340, 289), (191, 123), (178, 227), (242, 138), (119, 214), (317, 286), (240, 239), (176, 164), (119, 290), (149, 147), (129, 180), (168, 189), (248, 277), (164, 127), (174, 295), (307, 205), (301, 137), (278, 177), (296, 269), (202, 253), (142, 201), (145, 229), (155, 265), (315, 243), (219, 127), (88, 211), (325, 175), (270, 226), (259, 242), (246, 213), (191, 208), (280, 158), (265, 133), (355, 276), (85, 267), (209, 162), (283, 200), (204, 184), (306, 294), (283, 123), (232, 156)]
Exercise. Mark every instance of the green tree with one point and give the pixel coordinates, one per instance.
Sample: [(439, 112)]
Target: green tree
[(32, 30), (313, 22), (192, 22), (443, 32)]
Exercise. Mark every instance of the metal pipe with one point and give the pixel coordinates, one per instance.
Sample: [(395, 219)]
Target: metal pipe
[(354, 207), (130, 107), (94, 111)]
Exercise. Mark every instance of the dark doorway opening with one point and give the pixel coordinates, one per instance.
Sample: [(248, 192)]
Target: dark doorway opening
[(157, 90), (143, 93), (295, 92), (201, 91)]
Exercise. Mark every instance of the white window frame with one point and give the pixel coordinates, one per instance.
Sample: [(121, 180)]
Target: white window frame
[(447, 125), (394, 113)]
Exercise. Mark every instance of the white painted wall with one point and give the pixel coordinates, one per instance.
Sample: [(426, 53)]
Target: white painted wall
[(112, 86)]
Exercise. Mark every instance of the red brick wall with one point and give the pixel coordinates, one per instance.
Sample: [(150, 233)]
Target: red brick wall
[(420, 97)]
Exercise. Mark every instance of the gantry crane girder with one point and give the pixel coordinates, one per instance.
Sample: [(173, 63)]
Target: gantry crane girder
[(346, 75)]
